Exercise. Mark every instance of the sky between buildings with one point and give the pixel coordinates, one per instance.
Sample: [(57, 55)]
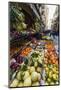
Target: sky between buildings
[(51, 11)]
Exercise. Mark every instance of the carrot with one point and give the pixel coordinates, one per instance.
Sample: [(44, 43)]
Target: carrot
[(26, 51)]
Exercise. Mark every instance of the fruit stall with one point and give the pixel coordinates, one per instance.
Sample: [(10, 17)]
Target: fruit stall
[(34, 56)]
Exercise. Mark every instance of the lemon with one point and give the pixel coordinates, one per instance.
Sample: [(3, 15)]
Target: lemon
[(57, 71), (47, 69), (54, 76), (45, 65), (57, 77), (49, 80), (50, 74), (54, 70)]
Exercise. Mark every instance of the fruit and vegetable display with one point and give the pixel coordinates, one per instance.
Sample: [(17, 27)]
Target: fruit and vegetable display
[(29, 71), (51, 65), (51, 77), (35, 67), (33, 56)]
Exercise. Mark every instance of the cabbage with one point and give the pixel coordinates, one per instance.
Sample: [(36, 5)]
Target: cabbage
[(39, 76), (34, 76), (32, 69), (20, 84), (26, 75), (14, 83), (27, 81), (18, 76), (35, 84)]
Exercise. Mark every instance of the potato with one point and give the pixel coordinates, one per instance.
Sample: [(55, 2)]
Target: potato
[(14, 83)]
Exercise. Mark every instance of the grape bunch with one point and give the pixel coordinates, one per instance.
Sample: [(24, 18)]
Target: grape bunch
[(15, 62)]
